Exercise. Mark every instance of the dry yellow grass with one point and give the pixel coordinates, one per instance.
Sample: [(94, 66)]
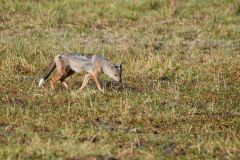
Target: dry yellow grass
[(180, 98)]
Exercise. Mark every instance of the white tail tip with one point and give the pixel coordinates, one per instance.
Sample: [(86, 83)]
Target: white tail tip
[(41, 81)]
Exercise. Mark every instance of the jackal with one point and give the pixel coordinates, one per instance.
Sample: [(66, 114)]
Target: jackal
[(93, 65)]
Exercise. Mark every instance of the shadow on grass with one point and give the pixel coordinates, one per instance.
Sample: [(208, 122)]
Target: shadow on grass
[(92, 157), (109, 86), (119, 86)]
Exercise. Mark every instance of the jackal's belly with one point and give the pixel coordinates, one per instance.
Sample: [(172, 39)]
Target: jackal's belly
[(79, 67)]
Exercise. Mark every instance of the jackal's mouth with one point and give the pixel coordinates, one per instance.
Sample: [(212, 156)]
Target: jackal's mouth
[(116, 78)]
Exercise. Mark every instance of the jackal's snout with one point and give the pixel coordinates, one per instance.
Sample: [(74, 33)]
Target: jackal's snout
[(119, 72)]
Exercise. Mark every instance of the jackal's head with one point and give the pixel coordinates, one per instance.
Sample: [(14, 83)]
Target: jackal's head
[(114, 71)]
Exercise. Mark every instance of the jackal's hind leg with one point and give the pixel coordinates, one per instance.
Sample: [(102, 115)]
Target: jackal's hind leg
[(95, 77), (69, 73), (52, 81), (61, 70), (85, 81), (55, 79)]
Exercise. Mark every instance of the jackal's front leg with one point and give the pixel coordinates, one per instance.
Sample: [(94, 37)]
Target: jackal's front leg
[(65, 85), (95, 77), (85, 81)]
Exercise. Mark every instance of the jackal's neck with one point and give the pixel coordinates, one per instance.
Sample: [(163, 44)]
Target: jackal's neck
[(105, 65)]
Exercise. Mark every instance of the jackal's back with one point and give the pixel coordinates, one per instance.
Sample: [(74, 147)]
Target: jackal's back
[(81, 62)]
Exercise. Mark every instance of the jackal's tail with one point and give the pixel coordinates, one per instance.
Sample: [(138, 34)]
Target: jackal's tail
[(45, 77)]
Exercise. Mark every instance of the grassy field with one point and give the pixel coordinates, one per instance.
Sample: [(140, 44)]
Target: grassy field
[(181, 73)]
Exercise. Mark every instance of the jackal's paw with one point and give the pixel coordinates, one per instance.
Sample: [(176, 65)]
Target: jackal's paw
[(52, 87), (77, 91), (102, 90)]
